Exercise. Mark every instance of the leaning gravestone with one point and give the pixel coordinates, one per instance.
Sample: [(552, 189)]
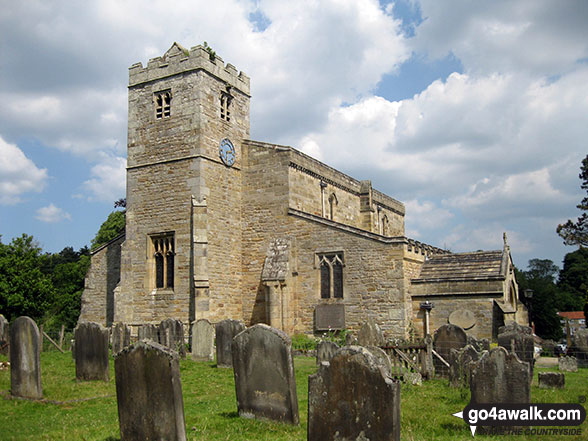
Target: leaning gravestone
[(524, 343), (4, 335), (325, 350), (567, 364), (149, 393), (549, 380), (225, 331), (148, 332), (264, 374), (353, 398), (171, 335), (370, 334), (579, 347), (25, 359), (460, 367), (500, 377), (447, 337), (202, 340), (91, 352), (120, 337)]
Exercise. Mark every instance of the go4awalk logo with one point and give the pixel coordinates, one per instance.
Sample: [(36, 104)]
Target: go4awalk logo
[(522, 415)]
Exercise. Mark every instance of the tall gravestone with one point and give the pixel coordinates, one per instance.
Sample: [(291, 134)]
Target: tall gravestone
[(4, 335), (579, 347), (264, 374), (171, 335), (25, 359), (460, 365), (149, 393), (120, 337), (325, 350), (447, 337), (370, 334), (353, 398), (202, 340), (500, 376), (522, 339), (91, 352), (226, 330), (148, 332)]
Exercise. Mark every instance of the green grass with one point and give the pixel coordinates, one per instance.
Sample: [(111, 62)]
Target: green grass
[(211, 411)]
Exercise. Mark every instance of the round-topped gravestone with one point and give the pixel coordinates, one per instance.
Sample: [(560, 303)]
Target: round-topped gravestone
[(464, 318)]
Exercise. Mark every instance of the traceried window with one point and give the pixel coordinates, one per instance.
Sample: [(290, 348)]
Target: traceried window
[(331, 275), (163, 260), (225, 106), (162, 104)]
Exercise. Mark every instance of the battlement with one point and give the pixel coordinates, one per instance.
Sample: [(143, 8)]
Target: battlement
[(180, 60), (423, 249)]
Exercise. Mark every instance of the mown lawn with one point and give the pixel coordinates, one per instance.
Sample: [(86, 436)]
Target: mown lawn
[(88, 411)]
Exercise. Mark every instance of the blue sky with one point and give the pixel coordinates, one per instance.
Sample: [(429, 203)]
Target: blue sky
[(472, 113)]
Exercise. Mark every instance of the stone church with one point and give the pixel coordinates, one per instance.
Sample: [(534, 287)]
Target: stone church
[(220, 226)]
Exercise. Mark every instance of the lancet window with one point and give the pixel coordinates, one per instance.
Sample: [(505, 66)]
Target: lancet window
[(331, 275), (163, 258), (162, 104)]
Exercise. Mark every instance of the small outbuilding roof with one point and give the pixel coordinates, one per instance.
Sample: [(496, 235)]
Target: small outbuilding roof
[(480, 265)]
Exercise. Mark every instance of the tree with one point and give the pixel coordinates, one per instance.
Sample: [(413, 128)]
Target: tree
[(576, 233), (573, 281), (112, 227)]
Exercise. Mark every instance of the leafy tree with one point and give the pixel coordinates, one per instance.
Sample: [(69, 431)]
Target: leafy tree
[(576, 233), (113, 226), (573, 281)]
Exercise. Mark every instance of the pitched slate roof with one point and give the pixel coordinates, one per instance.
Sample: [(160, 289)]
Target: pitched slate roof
[(478, 265)]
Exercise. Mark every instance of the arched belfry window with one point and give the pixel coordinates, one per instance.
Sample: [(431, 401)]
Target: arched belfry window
[(162, 102), (163, 260), (331, 275), (225, 105)]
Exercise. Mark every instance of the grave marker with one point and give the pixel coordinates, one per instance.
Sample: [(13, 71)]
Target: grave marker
[(25, 359), (225, 331), (202, 340)]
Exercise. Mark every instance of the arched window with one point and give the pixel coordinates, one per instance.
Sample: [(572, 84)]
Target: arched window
[(332, 204), (163, 260), (162, 104), (225, 103), (385, 226), (331, 275)]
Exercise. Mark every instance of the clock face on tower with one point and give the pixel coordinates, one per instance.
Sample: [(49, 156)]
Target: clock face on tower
[(226, 151)]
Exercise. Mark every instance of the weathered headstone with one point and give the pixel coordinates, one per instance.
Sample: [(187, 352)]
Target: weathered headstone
[(352, 398), (264, 374), (370, 334), (479, 345), (120, 337), (500, 377), (4, 335), (171, 335), (148, 332), (202, 340), (459, 365), (522, 338), (91, 352), (579, 348), (149, 393), (325, 350), (225, 331), (447, 337), (25, 359), (548, 380), (568, 364)]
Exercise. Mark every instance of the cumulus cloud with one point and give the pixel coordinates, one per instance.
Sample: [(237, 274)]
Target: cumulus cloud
[(52, 214), (108, 180), (18, 174)]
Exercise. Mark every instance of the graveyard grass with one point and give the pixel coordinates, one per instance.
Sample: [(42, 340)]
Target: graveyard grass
[(88, 410)]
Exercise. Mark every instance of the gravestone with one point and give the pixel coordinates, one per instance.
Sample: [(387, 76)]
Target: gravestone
[(225, 331), (171, 335), (579, 348), (352, 398), (264, 374), (91, 352), (549, 380), (500, 377), (329, 317), (4, 336), (325, 350), (202, 340), (524, 343), (567, 364), (370, 334), (25, 359), (459, 365), (149, 393), (148, 332), (120, 337), (447, 337), (479, 345)]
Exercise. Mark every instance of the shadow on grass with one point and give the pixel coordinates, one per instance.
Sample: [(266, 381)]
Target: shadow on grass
[(230, 415), (112, 438)]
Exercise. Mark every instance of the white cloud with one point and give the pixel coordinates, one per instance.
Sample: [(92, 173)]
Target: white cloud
[(52, 214), (18, 174), (108, 182)]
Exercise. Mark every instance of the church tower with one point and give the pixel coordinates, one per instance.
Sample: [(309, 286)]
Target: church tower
[(188, 117)]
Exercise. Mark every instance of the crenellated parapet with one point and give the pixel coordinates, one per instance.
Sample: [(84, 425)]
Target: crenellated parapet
[(423, 249), (180, 60)]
